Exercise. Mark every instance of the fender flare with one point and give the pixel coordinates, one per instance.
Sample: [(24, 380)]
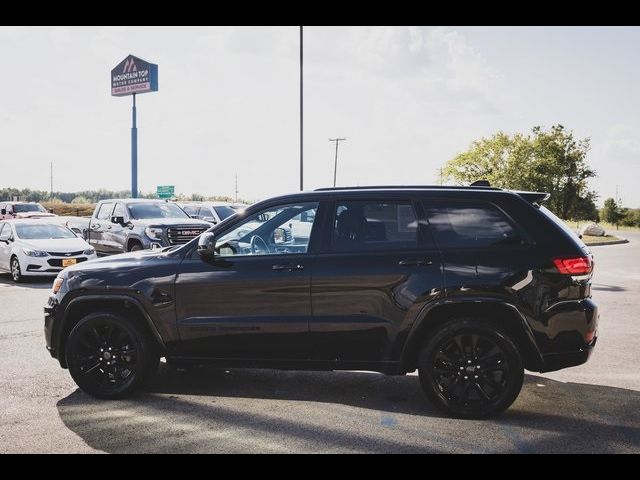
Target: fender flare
[(98, 297), (427, 312)]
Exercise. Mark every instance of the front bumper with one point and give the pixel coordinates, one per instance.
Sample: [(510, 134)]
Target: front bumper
[(47, 266), (50, 312)]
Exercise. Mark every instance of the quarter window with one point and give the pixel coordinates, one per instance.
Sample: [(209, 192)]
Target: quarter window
[(469, 225), (374, 226)]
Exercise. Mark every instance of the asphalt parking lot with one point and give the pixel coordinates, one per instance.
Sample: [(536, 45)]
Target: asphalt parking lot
[(591, 408)]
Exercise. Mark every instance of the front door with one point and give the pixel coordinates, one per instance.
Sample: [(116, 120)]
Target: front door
[(114, 235), (378, 270), (252, 301), (5, 246), (98, 227)]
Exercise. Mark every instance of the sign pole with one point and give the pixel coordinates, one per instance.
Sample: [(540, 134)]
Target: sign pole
[(134, 151)]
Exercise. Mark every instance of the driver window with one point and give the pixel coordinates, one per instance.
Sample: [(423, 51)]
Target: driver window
[(275, 231)]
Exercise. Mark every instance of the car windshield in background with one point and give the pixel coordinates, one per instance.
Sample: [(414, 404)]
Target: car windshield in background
[(140, 211), (224, 212), (28, 207), (41, 232)]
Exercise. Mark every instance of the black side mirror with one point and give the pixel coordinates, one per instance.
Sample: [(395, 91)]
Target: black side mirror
[(207, 245), (3, 211), (118, 220)]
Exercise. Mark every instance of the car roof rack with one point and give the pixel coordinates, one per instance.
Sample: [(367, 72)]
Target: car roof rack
[(410, 187)]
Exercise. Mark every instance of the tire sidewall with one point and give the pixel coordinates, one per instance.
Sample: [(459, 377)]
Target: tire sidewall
[(19, 278), (466, 326), (135, 247), (146, 364)]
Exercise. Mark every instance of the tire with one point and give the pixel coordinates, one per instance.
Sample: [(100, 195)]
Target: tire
[(449, 374), (110, 357), (16, 272), (135, 246)]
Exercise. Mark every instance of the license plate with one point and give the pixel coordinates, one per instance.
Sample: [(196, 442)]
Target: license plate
[(67, 262)]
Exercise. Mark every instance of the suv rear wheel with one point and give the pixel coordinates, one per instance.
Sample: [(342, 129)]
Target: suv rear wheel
[(110, 357), (471, 369)]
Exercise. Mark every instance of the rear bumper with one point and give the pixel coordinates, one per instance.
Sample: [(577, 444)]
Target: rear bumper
[(571, 334), (558, 361)]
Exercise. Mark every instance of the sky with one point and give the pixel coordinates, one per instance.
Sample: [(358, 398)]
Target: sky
[(407, 99)]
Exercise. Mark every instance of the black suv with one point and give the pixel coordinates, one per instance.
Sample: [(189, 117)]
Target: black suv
[(468, 285)]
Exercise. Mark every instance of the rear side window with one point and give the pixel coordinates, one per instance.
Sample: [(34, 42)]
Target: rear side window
[(374, 226), (105, 211), (462, 224)]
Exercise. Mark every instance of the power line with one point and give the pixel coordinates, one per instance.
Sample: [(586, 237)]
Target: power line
[(335, 165)]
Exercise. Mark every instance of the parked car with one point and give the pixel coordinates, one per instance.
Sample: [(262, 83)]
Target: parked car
[(9, 210), (212, 212), (119, 226), (36, 248), (468, 285)]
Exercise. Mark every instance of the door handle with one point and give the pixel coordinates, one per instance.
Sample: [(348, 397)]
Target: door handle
[(95, 226), (289, 268), (414, 262)]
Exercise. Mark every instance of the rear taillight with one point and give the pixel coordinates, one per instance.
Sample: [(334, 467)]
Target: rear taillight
[(574, 265)]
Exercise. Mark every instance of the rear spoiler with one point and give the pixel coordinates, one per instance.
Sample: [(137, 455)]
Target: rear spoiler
[(534, 197)]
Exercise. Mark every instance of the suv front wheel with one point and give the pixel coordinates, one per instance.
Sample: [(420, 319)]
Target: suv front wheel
[(471, 369), (109, 356)]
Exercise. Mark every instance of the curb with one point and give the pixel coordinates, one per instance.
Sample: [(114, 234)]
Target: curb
[(601, 244)]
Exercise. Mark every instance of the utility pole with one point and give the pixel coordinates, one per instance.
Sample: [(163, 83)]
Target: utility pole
[(301, 114), (335, 165), (236, 188), (51, 175)]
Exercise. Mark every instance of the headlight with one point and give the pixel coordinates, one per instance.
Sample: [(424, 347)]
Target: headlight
[(57, 285), (153, 233), (89, 252), (34, 253)]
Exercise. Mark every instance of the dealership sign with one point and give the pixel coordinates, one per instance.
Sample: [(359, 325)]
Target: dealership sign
[(134, 75)]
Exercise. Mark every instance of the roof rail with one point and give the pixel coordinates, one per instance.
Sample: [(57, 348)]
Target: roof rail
[(410, 187)]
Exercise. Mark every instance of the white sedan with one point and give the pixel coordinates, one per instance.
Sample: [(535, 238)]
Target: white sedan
[(39, 248)]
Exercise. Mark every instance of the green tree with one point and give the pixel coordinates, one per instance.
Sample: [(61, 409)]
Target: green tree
[(611, 211), (550, 161)]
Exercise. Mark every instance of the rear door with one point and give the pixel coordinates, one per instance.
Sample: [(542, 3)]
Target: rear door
[(378, 268), (485, 252)]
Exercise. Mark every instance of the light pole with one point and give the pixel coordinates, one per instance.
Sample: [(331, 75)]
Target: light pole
[(335, 165), (301, 113)]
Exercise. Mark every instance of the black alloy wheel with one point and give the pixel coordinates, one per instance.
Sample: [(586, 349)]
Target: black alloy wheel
[(471, 369), (109, 356)]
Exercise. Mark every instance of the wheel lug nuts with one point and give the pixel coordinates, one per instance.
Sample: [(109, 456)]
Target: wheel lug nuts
[(475, 376), (461, 368), (468, 361), (466, 378)]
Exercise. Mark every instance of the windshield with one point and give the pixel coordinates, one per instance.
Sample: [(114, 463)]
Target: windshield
[(140, 211), (28, 207), (41, 232), (224, 211)]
